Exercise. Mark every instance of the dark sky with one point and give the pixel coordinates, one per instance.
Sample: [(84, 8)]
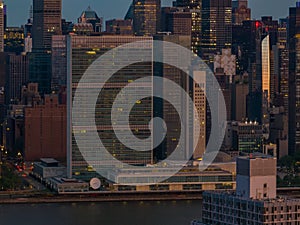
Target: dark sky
[(18, 10)]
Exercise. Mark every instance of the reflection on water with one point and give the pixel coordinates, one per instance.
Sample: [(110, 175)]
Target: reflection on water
[(121, 213)]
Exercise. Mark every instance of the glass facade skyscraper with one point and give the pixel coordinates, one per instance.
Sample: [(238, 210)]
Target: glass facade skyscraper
[(82, 51), (216, 27), (46, 23), (146, 17), (294, 79)]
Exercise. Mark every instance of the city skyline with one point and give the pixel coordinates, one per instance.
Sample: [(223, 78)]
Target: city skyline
[(107, 10)]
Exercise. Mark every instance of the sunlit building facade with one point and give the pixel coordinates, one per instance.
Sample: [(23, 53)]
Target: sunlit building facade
[(266, 70)]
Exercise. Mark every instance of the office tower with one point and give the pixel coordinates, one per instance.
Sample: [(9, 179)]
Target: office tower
[(3, 75), (90, 16), (178, 21), (118, 26), (59, 62), (18, 72), (271, 27), (225, 86), (2, 25), (65, 27), (266, 70), (253, 57), (216, 27), (201, 104), (40, 70), (28, 25), (247, 137), (279, 130), (282, 32), (165, 109), (281, 70), (14, 40), (47, 121), (82, 51), (239, 97), (146, 17), (254, 202), (294, 79), (194, 7), (46, 22), (240, 12)]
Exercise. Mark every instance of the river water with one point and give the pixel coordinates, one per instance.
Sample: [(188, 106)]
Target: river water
[(115, 213)]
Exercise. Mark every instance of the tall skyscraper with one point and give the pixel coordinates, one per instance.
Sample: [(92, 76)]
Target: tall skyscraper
[(82, 51), (266, 70), (46, 22), (294, 79), (176, 20), (146, 17), (194, 7), (17, 76), (171, 117), (216, 27), (2, 25), (59, 62)]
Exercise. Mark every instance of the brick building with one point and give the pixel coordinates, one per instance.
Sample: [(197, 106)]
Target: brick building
[(45, 130)]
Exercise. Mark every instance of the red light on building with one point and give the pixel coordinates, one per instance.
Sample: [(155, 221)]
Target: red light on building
[(257, 24)]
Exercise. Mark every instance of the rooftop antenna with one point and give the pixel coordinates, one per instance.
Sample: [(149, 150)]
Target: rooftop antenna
[(31, 12)]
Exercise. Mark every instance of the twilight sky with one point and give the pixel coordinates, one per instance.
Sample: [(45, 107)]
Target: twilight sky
[(18, 10)]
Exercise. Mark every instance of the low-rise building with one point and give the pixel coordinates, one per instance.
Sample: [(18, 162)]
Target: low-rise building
[(255, 200)]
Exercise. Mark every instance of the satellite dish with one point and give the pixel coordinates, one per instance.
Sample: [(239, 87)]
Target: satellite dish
[(95, 183)]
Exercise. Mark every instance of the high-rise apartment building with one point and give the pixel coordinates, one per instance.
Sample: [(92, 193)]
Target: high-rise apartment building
[(294, 79), (146, 17), (82, 51), (216, 27)]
